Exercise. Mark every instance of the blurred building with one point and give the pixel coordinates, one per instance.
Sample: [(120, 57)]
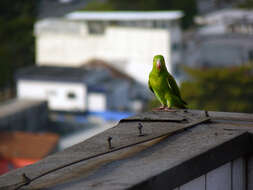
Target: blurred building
[(207, 6), (57, 8), (23, 126), (87, 89), (226, 21), (126, 40), (225, 38), (23, 115)]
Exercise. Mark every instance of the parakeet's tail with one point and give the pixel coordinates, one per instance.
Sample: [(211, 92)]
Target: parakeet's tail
[(184, 102), (183, 106)]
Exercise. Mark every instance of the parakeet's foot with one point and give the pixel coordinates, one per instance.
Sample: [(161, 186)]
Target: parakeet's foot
[(169, 109), (160, 108)]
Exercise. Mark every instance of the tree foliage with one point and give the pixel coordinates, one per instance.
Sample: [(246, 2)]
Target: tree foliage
[(16, 37), (189, 7), (247, 4), (99, 6), (220, 89)]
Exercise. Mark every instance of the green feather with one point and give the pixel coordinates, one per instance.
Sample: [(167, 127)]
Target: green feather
[(163, 85)]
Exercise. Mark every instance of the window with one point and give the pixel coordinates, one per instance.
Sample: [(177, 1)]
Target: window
[(96, 28), (251, 55), (71, 95), (175, 46), (51, 92)]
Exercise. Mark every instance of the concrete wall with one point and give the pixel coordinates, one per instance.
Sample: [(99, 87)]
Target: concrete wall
[(129, 48), (58, 94), (24, 115)]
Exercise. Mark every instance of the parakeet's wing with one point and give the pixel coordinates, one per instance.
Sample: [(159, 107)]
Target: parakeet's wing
[(150, 87), (173, 85), (174, 88)]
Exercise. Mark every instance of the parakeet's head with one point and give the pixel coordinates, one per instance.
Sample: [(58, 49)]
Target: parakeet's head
[(159, 63)]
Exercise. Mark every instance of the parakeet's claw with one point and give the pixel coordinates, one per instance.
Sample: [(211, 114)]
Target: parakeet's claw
[(169, 109), (165, 108), (160, 108)]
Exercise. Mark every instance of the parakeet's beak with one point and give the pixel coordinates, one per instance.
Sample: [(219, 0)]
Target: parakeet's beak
[(158, 65)]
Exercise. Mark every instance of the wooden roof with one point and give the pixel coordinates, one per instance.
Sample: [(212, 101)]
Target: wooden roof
[(179, 146)]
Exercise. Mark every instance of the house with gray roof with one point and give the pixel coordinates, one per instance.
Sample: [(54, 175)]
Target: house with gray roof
[(85, 89)]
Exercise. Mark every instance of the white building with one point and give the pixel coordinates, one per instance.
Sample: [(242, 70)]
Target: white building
[(92, 89), (225, 38), (226, 21), (208, 6), (128, 40), (63, 92)]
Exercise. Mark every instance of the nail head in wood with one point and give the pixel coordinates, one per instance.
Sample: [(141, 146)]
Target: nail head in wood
[(109, 139), (206, 113), (140, 126)]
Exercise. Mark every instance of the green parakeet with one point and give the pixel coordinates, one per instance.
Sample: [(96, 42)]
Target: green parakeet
[(164, 86)]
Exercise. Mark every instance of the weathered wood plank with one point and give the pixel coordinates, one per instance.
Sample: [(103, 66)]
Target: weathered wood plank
[(250, 172), (223, 115), (232, 116), (220, 178), (156, 116), (196, 184), (239, 174), (166, 165)]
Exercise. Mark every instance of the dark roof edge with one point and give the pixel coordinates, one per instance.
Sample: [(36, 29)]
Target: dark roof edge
[(237, 116), (41, 79), (201, 164)]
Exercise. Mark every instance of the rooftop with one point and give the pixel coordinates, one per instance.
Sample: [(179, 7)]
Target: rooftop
[(52, 73), (27, 145), (124, 15), (95, 69), (17, 105), (58, 8), (151, 150)]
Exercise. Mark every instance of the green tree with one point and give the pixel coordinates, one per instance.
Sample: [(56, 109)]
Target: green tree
[(189, 7), (247, 4), (99, 6), (16, 37), (220, 89)]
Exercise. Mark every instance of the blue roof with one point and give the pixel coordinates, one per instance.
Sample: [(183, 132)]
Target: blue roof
[(111, 115), (106, 115)]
